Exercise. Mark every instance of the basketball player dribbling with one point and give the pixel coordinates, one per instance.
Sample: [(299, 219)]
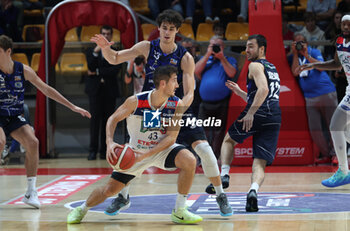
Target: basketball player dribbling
[(155, 146), (164, 51)]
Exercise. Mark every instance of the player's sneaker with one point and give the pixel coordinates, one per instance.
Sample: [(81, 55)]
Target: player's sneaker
[(75, 216), (183, 216), (118, 204), (252, 202), (32, 199), (338, 179), (225, 180), (225, 207)]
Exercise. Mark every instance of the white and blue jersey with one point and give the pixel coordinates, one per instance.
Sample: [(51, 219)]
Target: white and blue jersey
[(144, 138), (12, 91)]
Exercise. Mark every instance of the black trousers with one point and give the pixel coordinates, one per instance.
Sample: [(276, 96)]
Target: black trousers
[(102, 107)]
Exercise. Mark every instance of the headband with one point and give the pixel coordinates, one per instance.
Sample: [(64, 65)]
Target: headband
[(345, 18)]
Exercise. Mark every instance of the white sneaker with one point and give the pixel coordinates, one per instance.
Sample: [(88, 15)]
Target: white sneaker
[(188, 20), (32, 199), (216, 19)]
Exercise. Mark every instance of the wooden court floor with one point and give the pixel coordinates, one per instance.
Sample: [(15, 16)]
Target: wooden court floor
[(67, 181)]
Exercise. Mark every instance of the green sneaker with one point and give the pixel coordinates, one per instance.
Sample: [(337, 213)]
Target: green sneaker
[(75, 216), (183, 216)]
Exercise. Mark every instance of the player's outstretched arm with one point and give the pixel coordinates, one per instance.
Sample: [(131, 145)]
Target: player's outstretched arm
[(31, 76), (117, 57), (187, 66), (333, 64), (120, 114)]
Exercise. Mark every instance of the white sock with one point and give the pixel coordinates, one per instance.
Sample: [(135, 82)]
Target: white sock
[(84, 207), (225, 169), (254, 186), (125, 191), (219, 190), (31, 181), (180, 201)]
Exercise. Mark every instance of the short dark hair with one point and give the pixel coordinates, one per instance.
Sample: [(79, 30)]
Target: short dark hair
[(163, 73), (106, 27), (6, 42), (139, 59), (170, 16), (260, 40)]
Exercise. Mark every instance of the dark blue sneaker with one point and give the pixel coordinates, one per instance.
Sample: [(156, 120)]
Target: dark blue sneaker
[(225, 207), (118, 204), (252, 202)]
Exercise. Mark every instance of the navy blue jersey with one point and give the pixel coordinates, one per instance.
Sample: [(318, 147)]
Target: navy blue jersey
[(12, 91), (157, 58), (270, 105)]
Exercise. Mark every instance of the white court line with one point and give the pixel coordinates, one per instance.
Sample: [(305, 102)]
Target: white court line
[(41, 186)]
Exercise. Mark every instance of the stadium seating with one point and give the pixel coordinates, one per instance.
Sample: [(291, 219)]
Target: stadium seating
[(186, 30), (204, 32), (33, 32), (20, 57), (73, 65), (237, 31), (34, 64), (140, 6), (72, 35), (147, 29), (88, 31)]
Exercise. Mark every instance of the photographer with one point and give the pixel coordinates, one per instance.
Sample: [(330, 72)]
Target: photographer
[(319, 93), (214, 69), (136, 73)]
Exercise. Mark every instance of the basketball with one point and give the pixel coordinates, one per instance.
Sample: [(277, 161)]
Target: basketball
[(125, 158)]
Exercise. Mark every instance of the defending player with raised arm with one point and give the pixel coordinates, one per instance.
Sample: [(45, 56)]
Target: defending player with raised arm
[(339, 122), (155, 145), (164, 51), (12, 77)]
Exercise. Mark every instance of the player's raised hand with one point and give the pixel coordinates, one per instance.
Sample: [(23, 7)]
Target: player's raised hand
[(233, 87), (81, 111), (101, 41)]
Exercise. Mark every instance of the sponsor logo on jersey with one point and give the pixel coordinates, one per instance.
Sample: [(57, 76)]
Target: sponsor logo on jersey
[(173, 61), (18, 78)]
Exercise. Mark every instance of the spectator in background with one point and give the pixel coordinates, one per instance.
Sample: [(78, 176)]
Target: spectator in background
[(323, 9), (319, 93), (214, 69), (286, 33), (219, 30), (312, 32), (102, 89), (136, 73), (243, 14), (191, 6), (157, 6), (331, 33), (8, 20), (344, 6)]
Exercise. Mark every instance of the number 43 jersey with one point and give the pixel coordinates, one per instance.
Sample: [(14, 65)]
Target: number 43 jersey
[(270, 105), (147, 126)]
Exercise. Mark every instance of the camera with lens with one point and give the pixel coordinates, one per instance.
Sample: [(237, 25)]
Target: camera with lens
[(299, 45), (216, 48)]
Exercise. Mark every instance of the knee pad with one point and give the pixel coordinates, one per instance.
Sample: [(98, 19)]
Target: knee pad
[(208, 159)]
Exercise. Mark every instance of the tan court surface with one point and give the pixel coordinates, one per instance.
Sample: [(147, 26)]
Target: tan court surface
[(53, 217)]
